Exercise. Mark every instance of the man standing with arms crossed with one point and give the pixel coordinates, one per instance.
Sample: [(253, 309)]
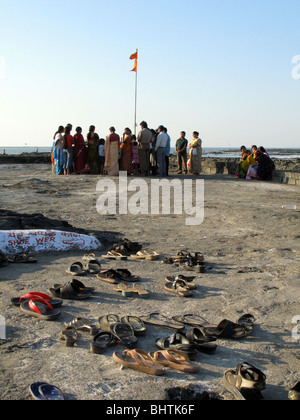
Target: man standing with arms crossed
[(144, 138), (181, 150)]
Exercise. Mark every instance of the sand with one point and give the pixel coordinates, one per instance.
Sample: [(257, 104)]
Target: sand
[(251, 248)]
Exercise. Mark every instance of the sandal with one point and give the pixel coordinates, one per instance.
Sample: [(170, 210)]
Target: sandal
[(200, 342), (159, 320), (176, 341), (124, 333), (245, 382), (69, 291), (146, 255), (138, 360), (21, 259), (124, 289), (187, 280), (102, 341), (92, 267), (76, 269), (140, 289), (178, 287), (42, 391), (55, 303), (39, 308), (82, 324), (113, 255), (69, 335), (174, 359), (126, 275), (106, 321), (89, 257), (135, 323), (78, 286), (190, 319), (226, 329)]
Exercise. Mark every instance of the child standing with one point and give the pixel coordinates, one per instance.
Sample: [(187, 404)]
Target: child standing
[(101, 152), (135, 157)]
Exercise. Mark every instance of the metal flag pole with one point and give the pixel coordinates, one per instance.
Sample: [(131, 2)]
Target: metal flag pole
[(135, 105)]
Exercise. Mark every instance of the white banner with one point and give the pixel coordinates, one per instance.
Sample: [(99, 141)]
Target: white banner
[(17, 241)]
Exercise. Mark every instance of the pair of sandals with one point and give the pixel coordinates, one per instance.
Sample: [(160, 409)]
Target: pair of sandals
[(21, 258), (224, 329), (78, 269), (117, 276), (70, 331), (116, 330), (188, 261), (180, 285), (126, 248), (42, 391), (133, 289), (155, 362), (188, 343), (38, 305), (73, 290)]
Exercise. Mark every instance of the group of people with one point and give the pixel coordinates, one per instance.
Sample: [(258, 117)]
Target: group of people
[(144, 154), (255, 164)]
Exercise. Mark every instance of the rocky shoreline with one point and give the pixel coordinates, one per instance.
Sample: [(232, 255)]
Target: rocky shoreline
[(209, 165)]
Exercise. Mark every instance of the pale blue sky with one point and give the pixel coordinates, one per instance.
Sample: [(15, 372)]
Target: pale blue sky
[(221, 67)]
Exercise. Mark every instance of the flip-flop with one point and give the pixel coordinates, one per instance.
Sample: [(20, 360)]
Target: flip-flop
[(138, 360), (76, 269), (106, 321), (102, 341), (69, 291), (55, 303), (39, 308), (158, 320), (51, 392), (176, 341), (245, 382), (124, 289), (178, 287), (114, 255), (89, 257), (140, 289), (147, 254), (190, 319), (69, 335), (21, 259), (125, 334), (187, 279), (174, 359), (135, 323)]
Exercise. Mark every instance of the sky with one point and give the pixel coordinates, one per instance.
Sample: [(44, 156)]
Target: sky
[(229, 69)]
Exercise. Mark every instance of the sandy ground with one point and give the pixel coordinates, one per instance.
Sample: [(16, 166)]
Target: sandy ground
[(251, 248)]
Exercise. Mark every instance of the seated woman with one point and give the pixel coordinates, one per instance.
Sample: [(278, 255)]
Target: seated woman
[(265, 165), (244, 164)]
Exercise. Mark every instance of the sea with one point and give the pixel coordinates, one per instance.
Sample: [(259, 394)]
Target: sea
[(213, 152)]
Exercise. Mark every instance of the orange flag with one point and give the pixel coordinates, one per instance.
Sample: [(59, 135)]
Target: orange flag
[(135, 58)]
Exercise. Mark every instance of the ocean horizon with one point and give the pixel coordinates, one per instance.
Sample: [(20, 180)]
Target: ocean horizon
[(217, 152)]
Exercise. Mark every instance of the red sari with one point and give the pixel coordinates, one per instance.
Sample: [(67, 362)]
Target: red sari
[(79, 153), (126, 155)]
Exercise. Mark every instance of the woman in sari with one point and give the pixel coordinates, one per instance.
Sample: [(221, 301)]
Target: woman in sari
[(265, 165), (92, 158), (243, 166), (195, 154), (58, 151), (126, 152), (112, 146), (79, 151)]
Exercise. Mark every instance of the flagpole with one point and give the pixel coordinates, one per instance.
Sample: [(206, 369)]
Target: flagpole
[(135, 104)]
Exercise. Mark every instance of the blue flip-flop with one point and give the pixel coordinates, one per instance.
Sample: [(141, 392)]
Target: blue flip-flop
[(45, 392)]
